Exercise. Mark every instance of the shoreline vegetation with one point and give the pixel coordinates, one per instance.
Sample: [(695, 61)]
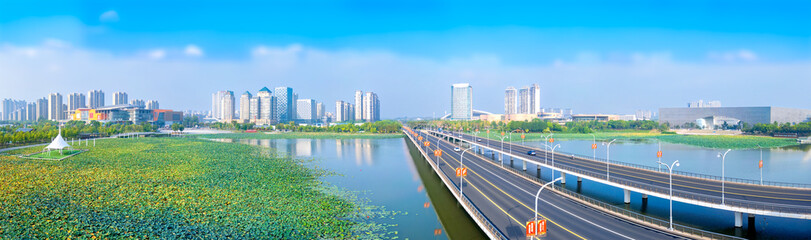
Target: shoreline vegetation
[(300, 135), (706, 141), (177, 188)]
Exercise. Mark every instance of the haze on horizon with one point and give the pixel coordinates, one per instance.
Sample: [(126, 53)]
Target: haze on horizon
[(591, 56)]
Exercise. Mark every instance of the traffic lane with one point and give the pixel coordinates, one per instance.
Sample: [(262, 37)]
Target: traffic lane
[(577, 209), (502, 213), (706, 187), (524, 189)]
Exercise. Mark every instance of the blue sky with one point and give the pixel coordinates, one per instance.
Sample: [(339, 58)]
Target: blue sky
[(641, 55)]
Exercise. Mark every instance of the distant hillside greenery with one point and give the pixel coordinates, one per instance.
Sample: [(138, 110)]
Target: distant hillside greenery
[(801, 129)]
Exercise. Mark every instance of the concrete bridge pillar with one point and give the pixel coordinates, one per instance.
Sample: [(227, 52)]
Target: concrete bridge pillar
[(627, 194), (579, 180), (525, 165), (511, 161), (644, 199), (562, 178), (738, 219), (751, 222)]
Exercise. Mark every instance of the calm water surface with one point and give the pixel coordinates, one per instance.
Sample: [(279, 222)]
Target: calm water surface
[(389, 173)]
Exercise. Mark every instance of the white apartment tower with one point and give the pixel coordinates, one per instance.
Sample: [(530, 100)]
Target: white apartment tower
[(119, 98), (76, 101), (152, 105), (245, 107), (510, 100), (371, 107), (55, 107), (461, 101), (95, 99), (359, 106)]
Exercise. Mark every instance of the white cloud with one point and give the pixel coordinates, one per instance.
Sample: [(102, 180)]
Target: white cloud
[(743, 55), (156, 54), (193, 51), (645, 81), (109, 16)]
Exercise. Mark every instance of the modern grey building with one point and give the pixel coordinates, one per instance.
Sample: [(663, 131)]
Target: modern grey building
[(306, 111), (138, 103), (461, 101), (359, 106), (717, 115), (76, 101), (55, 107), (152, 105), (245, 107), (42, 109)]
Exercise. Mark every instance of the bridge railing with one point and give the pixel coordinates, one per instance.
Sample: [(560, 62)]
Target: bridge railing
[(490, 227), (625, 212), (688, 174)]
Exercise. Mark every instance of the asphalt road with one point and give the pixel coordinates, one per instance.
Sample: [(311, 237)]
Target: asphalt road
[(508, 201), (773, 198)]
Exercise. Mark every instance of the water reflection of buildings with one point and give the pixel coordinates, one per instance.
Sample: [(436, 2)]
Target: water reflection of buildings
[(363, 152)]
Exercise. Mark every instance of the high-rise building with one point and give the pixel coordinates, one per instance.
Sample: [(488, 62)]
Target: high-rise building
[(359, 106), (461, 101), (63, 112), (8, 107), (523, 100), (371, 107), (306, 111), (228, 106), (55, 107), (76, 101), (95, 99), (319, 110), (285, 111), (341, 111), (267, 107), (534, 99), (216, 104), (510, 100), (119, 98), (31, 112), (42, 109), (138, 103), (245, 107), (253, 109), (152, 105)]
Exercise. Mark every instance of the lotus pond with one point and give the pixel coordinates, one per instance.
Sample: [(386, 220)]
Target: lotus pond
[(178, 188)]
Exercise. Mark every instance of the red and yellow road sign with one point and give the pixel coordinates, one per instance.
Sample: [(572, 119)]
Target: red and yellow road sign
[(551, 140), (593, 146), (760, 165), (522, 136), (659, 154), (461, 172), (536, 228), (419, 138), (427, 143), (437, 152)]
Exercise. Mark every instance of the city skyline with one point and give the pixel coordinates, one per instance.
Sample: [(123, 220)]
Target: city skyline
[(719, 54)]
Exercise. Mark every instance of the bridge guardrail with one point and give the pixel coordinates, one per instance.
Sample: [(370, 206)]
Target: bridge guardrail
[(465, 200), (625, 212), (690, 174)]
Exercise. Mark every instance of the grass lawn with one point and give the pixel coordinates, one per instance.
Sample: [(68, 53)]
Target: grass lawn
[(311, 135), (708, 141), (54, 155), (171, 188)]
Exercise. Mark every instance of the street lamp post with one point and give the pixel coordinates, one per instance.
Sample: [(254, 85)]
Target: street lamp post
[(545, 153), (608, 158), (553, 157), (593, 147), (501, 158), (670, 168), (760, 165), (723, 177), (538, 195), (461, 177)]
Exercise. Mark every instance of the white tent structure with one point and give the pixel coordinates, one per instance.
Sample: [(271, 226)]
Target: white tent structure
[(58, 143)]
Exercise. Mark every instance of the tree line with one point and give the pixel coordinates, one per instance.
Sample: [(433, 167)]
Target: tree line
[(538, 125), (44, 130)]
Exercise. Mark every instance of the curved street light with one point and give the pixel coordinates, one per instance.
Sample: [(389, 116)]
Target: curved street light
[(608, 158), (723, 177), (670, 168), (461, 177), (553, 157), (538, 195)]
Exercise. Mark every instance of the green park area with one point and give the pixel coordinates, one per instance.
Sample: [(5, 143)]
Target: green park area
[(171, 188), (707, 141), (54, 155)]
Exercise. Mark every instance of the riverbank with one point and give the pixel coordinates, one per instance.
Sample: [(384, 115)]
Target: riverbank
[(298, 135), (174, 188), (707, 141)]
